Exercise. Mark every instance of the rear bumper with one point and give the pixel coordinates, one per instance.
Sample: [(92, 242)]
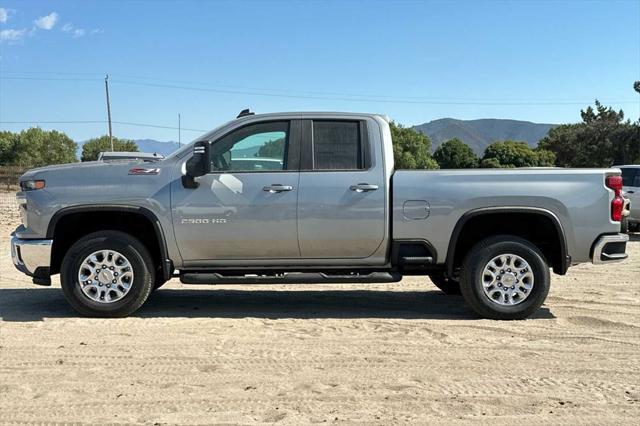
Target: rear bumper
[(610, 248), (32, 257)]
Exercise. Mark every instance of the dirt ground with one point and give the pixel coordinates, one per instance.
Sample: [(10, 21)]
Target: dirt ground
[(374, 354)]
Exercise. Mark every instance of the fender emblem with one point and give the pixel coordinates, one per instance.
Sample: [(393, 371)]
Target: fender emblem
[(144, 171)]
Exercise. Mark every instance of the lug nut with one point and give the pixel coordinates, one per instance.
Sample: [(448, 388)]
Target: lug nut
[(499, 285), (115, 274), (111, 267), (100, 285), (502, 271), (114, 281), (108, 285), (104, 266), (509, 270)]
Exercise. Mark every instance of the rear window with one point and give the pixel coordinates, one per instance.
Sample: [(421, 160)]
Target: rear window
[(337, 145), (628, 176)]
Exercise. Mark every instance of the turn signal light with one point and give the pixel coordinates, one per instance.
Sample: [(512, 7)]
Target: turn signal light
[(30, 185)]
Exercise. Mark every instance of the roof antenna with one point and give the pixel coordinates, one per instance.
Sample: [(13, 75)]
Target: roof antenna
[(245, 112)]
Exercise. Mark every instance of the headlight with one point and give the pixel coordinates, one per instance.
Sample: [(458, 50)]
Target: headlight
[(31, 185)]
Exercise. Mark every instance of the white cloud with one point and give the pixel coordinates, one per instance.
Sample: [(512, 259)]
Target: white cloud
[(67, 28), (78, 32), (12, 35), (47, 22), (4, 15)]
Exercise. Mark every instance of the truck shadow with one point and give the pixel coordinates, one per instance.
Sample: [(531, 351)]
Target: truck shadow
[(35, 304)]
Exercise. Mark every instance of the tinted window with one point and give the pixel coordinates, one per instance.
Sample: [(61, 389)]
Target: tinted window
[(258, 147), (628, 175), (336, 145)]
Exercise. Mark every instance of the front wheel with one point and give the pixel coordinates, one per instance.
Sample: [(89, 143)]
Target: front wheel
[(107, 274), (505, 277)]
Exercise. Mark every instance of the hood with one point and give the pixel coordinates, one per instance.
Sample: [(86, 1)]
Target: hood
[(86, 168)]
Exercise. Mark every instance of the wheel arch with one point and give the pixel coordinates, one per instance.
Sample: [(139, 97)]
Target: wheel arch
[(560, 261), (67, 213)]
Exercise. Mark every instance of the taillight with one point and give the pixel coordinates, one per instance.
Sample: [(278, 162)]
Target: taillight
[(617, 204)]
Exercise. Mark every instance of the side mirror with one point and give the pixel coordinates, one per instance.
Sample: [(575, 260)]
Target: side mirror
[(198, 165)]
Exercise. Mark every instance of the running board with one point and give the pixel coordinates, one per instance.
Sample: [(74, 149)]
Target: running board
[(289, 278)]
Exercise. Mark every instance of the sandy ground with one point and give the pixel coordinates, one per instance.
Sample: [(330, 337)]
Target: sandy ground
[(376, 354)]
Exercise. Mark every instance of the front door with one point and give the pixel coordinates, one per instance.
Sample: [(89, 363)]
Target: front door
[(246, 208)]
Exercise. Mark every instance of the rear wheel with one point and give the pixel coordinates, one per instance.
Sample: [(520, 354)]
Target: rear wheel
[(107, 274), (505, 277), (447, 285)]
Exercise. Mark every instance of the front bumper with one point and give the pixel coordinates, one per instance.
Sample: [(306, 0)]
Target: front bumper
[(610, 248), (32, 257)]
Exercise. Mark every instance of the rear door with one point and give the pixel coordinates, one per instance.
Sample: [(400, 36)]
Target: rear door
[(342, 195), (246, 208)]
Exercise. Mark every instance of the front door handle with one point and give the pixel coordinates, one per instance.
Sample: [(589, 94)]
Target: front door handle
[(276, 187), (363, 187)]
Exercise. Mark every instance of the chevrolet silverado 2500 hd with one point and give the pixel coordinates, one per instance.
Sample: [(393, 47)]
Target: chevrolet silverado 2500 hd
[(310, 198)]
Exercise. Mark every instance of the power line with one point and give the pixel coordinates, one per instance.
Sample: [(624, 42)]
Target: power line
[(331, 96), (126, 123)]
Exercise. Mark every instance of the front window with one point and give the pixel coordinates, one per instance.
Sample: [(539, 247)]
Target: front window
[(258, 147)]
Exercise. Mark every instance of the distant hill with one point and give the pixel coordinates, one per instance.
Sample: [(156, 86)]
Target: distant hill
[(480, 133)]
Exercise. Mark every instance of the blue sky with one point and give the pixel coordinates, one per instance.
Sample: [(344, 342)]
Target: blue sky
[(413, 60)]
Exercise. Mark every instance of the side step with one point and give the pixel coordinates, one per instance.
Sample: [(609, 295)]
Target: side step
[(416, 261), (289, 278)]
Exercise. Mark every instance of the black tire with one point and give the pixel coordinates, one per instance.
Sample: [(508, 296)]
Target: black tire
[(471, 278), (624, 225), (139, 259), (445, 284)]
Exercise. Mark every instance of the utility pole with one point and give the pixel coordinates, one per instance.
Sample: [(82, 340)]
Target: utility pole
[(106, 86), (179, 129)]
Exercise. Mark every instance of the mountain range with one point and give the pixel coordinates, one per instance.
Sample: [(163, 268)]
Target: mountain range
[(475, 133), (480, 133)]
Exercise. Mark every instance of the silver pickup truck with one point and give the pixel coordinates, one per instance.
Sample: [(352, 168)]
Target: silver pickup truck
[(310, 198)]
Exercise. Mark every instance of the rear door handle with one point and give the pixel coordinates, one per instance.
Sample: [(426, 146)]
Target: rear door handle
[(363, 187), (276, 187)]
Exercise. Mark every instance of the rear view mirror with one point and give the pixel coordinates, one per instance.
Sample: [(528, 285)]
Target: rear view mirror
[(198, 165)]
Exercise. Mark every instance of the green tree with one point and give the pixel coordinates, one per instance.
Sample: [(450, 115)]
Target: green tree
[(602, 139), (455, 154), (411, 149), (545, 158), (511, 154), (272, 149), (491, 163), (93, 147), (636, 86), (35, 147)]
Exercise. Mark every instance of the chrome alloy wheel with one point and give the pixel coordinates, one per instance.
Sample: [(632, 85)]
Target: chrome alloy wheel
[(105, 276), (507, 279)]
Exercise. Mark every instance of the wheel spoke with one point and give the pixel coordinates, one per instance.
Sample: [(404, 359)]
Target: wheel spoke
[(104, 268), (507, 279)]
